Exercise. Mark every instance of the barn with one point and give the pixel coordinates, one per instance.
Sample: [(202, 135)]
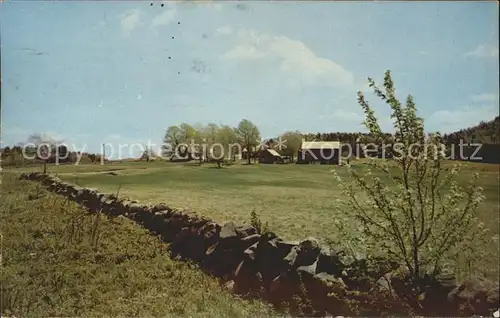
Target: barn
[(323, 152), (270, 156)]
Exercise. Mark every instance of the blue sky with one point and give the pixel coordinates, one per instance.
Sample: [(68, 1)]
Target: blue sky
[(94, 72)]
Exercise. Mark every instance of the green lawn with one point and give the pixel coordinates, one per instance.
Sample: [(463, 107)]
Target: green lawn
[(297, 200)]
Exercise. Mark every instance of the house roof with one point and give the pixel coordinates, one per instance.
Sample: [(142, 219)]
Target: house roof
[(273, 152), (320, 145)]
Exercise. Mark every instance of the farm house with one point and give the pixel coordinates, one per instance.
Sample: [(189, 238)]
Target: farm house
[(323, 152)]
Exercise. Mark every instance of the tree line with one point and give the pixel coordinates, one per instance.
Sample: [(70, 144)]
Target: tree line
[(219, 143), (39, 149), (248, 136), (485, 132)]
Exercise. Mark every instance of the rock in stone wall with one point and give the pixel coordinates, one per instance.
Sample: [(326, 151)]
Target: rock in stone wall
[(279, 271)]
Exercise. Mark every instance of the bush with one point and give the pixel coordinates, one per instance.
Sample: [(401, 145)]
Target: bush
[(257, 223), (408, 207)]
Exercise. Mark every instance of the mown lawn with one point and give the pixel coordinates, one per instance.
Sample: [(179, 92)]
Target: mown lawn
[(297, 200), (59, 261)]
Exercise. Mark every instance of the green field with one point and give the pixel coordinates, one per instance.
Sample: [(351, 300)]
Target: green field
[(297, 200)]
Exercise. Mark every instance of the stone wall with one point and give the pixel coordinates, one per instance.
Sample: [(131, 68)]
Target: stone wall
[(303, 276)]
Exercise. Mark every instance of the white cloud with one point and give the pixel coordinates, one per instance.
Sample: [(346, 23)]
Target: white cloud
[(485, 97), (294, 58), (464, 117), (423, 52), (483, 51), (245, 52), (130, 20), (164, 18), (224, 30)]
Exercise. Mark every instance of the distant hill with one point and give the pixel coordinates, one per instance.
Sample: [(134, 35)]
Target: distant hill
[(484, 132)]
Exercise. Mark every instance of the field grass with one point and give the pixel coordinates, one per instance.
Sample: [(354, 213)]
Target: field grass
[(59, 261), (297, 200)]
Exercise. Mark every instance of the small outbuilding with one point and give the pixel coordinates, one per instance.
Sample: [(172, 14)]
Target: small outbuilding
[(270, 156), (323, 152)]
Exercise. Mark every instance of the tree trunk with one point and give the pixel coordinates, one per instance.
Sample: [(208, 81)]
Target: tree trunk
[(416, 265)]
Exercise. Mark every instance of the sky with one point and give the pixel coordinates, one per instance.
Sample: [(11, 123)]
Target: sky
[(121, 72)]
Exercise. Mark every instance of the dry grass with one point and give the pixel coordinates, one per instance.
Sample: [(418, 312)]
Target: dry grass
[(59, 261)]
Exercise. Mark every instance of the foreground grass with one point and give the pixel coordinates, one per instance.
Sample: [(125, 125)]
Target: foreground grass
[(59, 261), (296, 200)]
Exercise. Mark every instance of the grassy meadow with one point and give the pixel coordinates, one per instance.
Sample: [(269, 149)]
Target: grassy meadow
[(58, 260), (297, 200), (50, 269)]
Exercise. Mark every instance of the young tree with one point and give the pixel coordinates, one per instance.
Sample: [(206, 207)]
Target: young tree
[(408, 206), (249, 136)]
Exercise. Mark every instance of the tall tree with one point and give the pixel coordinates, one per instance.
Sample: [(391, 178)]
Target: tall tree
[(228, 138), (209, 136), (249, 136), (172, 139), (290, 143), (199, 139), (188, 134)]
